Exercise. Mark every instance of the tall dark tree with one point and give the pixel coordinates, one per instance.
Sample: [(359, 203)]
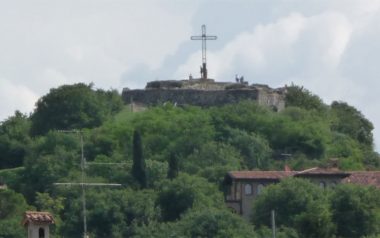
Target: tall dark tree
[(138, 167), (173, 166)]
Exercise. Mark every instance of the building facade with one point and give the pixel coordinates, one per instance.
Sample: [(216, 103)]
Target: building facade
[(243, 187), (37, 224)]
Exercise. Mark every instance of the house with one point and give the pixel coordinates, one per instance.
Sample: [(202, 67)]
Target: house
[(37, 223), (242, 187)]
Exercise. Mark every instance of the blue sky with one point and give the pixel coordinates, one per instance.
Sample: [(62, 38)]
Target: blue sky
[(329, 46)]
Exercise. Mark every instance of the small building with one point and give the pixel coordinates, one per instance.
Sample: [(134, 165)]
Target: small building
[(3, 185), (37, 224), (243, 187)]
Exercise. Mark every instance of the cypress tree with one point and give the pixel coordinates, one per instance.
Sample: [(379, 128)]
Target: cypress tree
[(173, 167), (138, 167)]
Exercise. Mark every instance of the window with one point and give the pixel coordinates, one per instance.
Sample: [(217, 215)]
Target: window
[(260, 188), (322, 184), (248, 189), (41, 233)]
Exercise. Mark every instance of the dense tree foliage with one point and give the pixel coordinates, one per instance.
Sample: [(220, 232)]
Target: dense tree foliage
[(208, 222), (356, 210), (111, 213), (14, 140), (54, 158), (185, 192), (347, 210), (12, 208), (217, 223), (180, 156), (352, 123), (298, 204), (298, 96), (73, 107)]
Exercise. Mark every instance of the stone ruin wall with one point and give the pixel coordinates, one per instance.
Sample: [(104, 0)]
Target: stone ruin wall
[(195, 97), (272, 99), (206, 93)]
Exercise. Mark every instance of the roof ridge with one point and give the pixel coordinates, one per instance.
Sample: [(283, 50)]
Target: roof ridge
[(307, 170)]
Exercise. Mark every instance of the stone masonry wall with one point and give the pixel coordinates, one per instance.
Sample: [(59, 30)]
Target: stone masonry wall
[(189, 96)]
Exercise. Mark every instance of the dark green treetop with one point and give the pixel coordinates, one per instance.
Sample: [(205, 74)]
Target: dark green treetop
[(138, 167)]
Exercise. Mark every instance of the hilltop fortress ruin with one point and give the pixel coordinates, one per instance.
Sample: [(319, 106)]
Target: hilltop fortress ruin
[(204, 93)]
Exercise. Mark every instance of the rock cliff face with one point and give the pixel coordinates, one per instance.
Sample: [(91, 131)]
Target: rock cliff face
[(204, 93)]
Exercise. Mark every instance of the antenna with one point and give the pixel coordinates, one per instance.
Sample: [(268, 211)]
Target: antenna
[(83, 184)]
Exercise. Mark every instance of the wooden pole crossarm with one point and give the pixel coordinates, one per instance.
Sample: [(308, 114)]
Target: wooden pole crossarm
[(90, 184), (104, 163)]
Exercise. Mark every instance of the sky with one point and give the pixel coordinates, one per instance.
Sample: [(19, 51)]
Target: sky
[(330, 47)]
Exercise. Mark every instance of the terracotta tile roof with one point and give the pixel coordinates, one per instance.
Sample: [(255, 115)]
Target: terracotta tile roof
[(37, 217), (364, 178), (321, 171), (355, 177), (272, 175)]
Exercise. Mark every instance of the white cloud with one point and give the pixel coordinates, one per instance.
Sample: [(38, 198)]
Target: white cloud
[(76, 38), (293, 46), (15, 96), (48, 43)]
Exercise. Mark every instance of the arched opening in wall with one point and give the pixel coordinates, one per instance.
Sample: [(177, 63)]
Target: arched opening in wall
[(41, 233), (260, 188), (248, 189), (274, 108), (233, 210)]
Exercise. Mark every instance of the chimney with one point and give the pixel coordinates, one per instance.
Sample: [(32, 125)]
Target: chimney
[(333, 164)]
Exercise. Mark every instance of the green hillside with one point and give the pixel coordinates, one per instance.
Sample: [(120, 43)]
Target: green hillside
[(172, 174)]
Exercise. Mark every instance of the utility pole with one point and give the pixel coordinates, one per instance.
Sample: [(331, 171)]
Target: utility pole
[(83, 165), (273, 224), (83, 184)]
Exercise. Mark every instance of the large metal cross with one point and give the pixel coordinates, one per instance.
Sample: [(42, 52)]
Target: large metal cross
[(204, 38)]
